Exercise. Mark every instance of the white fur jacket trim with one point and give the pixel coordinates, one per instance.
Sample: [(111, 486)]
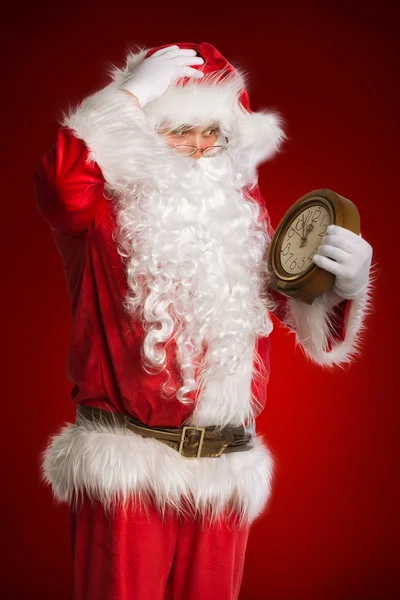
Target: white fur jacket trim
[(313, 324), (115, 465)]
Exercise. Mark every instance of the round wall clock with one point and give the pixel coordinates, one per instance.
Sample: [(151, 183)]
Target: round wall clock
[(297, 238)]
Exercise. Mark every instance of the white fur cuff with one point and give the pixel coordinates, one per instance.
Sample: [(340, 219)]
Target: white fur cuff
[(118, 136), (314, 323)]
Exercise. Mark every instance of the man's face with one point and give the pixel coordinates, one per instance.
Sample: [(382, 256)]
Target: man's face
[(200, 137)]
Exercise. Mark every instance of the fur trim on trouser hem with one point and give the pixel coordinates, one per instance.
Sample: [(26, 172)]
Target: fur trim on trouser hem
[(117, 467)]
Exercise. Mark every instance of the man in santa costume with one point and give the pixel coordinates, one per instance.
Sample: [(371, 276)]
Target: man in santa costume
[(152, 198)]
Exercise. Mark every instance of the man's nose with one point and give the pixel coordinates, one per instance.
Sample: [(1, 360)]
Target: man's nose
[(200, 142)]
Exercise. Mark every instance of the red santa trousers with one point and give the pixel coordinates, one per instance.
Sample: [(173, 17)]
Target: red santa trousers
[(136, 554)]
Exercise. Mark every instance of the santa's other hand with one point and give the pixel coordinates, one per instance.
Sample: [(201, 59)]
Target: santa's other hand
[(348, 256)]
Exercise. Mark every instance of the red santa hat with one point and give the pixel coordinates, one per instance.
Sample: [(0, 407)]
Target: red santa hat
[(219, 96)]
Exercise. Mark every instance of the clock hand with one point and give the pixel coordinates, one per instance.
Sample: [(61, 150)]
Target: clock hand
[(296, 232), (309, 228), (304, 234)]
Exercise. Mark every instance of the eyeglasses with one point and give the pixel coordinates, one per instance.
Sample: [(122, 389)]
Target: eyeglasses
[(208, 152)]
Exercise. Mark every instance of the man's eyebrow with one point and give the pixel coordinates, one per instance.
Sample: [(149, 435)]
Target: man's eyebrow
[(214, 125), (183, 128)]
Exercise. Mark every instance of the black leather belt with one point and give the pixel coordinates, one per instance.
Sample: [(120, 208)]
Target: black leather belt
[(189, 441)]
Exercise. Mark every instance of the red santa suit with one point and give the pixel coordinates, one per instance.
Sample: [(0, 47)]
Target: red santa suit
[(161, 268)]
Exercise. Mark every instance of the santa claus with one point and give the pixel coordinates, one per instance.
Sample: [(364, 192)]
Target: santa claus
[(152, 197)]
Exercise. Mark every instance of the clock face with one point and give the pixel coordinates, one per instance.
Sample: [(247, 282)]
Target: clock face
[(302, 238)]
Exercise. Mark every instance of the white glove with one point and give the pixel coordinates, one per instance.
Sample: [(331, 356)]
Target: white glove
[(152, 77), (348, 257)]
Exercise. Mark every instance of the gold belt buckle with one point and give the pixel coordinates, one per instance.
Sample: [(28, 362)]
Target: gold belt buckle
[(183, 436)]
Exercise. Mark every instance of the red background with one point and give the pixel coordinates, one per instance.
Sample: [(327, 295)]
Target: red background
[(330, 530)]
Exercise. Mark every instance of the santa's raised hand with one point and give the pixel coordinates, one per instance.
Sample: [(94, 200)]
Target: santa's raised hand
[(348, 256), (152, 77)]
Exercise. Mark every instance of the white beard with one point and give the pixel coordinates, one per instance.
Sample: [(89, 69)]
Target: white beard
[(194, 250)]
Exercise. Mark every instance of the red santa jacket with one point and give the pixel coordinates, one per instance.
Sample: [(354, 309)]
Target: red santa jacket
[(105, 367), (104, 361)]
